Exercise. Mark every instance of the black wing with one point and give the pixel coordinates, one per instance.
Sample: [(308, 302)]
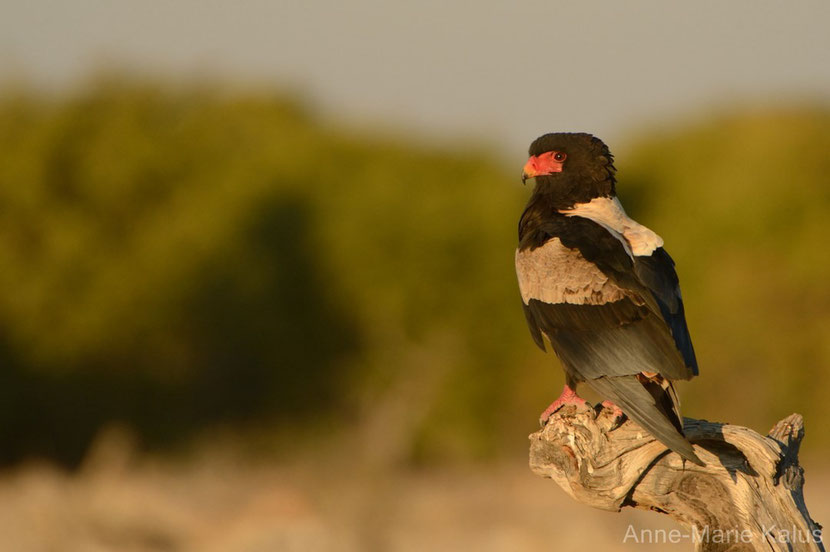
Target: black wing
[(645, 331), (610, 344), (657, 273)]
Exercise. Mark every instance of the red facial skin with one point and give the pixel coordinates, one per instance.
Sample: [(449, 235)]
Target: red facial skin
[(545, 163)]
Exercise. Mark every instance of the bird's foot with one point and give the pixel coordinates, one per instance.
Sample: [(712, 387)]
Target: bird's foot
[(616, 413), (568, 396)]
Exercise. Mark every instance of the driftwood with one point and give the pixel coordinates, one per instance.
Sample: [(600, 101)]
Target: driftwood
[(748, 496)]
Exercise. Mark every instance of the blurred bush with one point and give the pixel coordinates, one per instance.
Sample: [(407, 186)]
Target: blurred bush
[(186, 259), (177, 259)]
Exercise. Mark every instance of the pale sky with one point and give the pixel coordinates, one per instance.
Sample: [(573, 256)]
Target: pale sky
[(501, 72)]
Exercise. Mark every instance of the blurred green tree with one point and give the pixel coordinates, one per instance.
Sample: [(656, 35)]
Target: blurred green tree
[(180, 259), (186, 259)]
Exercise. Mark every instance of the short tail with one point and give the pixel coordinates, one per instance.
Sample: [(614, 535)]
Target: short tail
[(651, 405)]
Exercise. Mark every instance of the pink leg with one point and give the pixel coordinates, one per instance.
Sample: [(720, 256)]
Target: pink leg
[(568, 396)]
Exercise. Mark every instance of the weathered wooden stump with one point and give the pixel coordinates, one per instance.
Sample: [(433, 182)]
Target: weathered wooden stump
[(747, 497)]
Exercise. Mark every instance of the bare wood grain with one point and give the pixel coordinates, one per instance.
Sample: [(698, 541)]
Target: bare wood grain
[(747, 497)]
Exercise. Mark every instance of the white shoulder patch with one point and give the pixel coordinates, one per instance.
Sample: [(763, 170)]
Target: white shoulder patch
[(609, 213)]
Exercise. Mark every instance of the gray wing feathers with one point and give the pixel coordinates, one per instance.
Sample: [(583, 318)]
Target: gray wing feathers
[(638, 404), (637, 346)]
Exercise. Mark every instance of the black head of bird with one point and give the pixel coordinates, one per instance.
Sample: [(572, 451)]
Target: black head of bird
[(570, 168)]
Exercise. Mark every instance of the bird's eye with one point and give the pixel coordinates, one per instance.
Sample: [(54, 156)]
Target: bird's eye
[(559, 156)]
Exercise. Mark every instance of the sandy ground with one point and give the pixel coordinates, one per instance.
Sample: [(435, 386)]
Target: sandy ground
[(122, 502)]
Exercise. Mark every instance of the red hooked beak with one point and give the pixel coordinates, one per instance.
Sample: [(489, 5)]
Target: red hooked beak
[(543, 164)]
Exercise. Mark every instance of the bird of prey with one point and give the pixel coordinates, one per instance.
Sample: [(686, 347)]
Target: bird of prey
[(602, 289)]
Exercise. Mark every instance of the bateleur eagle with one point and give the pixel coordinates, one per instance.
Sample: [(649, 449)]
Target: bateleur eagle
[(602, 289)]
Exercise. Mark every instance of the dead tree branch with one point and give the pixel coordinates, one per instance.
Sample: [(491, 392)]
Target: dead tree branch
[(747, 497)]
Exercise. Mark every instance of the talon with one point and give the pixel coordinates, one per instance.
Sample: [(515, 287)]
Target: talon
[(568, 396), (617, 415)]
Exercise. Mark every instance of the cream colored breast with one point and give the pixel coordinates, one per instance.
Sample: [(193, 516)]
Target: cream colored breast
[(554, 273)]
